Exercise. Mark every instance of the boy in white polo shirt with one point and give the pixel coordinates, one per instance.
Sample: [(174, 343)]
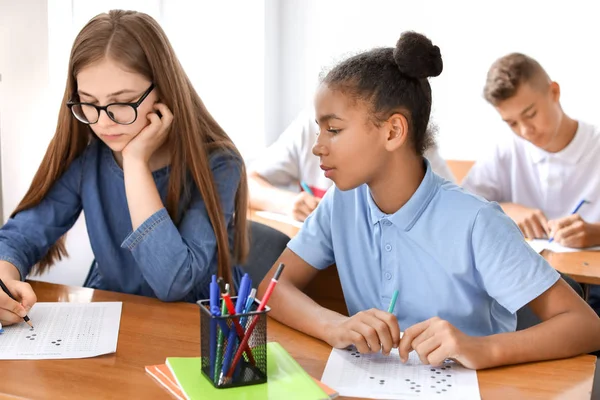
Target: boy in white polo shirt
[(274, 179), (540, 174)]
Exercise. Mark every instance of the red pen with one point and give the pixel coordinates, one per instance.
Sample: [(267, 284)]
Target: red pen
[(263, 304), (238, 327)]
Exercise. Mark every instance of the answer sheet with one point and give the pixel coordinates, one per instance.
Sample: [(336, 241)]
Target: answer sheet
[(540, 245), (63, 330), (376, 376)]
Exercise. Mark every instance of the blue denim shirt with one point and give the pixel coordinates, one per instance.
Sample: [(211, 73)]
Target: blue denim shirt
[(160, 259)]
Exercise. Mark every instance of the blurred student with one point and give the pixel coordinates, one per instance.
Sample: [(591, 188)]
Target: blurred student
[(275, 178)]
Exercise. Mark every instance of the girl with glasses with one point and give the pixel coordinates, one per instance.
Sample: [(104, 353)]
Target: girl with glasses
[(162, 185)]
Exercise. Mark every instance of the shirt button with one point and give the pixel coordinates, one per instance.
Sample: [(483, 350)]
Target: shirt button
[(387, 223), (388, 247), (388, 276)]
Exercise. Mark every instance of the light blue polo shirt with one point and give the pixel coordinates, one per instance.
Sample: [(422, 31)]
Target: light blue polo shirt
[(449, 253)]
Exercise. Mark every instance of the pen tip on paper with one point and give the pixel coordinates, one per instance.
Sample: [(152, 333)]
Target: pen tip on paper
[(29, 323)]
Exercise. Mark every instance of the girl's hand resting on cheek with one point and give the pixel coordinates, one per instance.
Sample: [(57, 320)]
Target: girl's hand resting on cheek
[(151, 137)]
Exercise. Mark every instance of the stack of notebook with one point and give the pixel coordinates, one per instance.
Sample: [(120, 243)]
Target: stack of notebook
[(183, 378)]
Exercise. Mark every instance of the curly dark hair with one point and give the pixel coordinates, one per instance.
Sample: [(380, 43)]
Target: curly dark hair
[(394, 80)]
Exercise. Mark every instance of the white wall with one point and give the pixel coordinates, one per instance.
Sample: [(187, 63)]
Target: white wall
[(28, 117), (563, 36), (221, 45)]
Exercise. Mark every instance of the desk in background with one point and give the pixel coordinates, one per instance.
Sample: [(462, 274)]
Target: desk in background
[(152, 330)]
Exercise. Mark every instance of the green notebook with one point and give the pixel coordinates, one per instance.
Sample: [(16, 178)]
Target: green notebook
[(286, 380)]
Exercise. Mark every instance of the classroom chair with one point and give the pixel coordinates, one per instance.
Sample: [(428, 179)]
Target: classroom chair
[(527, 318), (266, 245)]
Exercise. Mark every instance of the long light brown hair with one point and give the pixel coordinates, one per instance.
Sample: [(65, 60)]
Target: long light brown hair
[(137, 42)]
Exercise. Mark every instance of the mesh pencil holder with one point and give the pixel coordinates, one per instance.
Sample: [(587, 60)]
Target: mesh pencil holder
[(220, 339)]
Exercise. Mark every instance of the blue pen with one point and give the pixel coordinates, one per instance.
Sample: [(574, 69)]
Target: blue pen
[(582, 202), (239, 308), (214, 310), (247, 309), (306, 188)]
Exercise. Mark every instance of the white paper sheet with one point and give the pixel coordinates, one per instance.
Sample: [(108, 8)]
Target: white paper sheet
[(63, 330), (280, 217), (376, 376), (540, 245)]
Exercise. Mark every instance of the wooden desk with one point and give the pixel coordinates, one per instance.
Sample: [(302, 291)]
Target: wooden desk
[(151, 330), (582, 266), (460, 168), (288, 229)]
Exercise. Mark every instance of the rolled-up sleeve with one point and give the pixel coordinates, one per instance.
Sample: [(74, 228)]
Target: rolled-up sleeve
[(26, 238), (174, 259)]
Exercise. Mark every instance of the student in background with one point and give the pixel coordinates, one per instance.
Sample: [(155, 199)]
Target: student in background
[(162, 185), (541, 173), (274, 179), (459, 263)]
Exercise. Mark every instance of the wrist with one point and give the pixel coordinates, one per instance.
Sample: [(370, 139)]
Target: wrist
[(329, 327), (494, 353), (130, 161), (595, 229)]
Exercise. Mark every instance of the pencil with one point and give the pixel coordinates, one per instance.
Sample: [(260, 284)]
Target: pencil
[(393, 302), (5, 289)]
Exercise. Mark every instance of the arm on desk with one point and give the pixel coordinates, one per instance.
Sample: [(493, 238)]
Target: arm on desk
[(532, 222), (264, 196), (369, 331), (570, 327)]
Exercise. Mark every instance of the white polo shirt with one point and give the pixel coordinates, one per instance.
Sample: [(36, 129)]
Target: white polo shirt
[(290, 159), (519, 172)]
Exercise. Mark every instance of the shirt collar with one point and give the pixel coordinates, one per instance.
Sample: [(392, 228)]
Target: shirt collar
[(569, 155), (410, 212)]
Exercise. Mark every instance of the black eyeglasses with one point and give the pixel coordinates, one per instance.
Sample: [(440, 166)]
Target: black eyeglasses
[(121, 113)]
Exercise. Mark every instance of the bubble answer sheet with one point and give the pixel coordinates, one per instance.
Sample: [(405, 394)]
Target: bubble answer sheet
[(376, 376), (63, 330)]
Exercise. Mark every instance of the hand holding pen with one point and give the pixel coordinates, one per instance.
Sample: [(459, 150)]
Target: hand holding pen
[(304, 203), (370, 331), (573, 231), (11, 311)]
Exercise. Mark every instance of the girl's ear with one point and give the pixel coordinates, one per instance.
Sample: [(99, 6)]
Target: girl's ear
[(397, 131)]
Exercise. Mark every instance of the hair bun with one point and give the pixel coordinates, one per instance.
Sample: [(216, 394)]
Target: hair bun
[(417, 57)]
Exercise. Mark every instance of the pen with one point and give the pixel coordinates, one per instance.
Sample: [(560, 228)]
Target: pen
[(243, 320), (239, 308), (220, 341), (248, 306), (261, 307), (237, 326), (5, 289), (393, 302), (306, 188), (214, 310), (582, 202)]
